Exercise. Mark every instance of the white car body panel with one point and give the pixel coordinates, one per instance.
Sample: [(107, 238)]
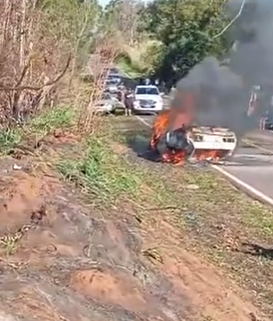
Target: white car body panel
[(115, 77), (112, 85), (107, 104), (113, 89), (106, 108)]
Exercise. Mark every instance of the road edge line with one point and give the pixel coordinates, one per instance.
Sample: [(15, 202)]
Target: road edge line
[(231, 177), (143, 121)]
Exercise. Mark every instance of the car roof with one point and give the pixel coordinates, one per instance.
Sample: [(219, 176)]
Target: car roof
[(112, 80), (105, 94), (147, 86)]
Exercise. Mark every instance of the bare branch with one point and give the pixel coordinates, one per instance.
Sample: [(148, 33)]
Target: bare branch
[(48, 83), (232, 21), (24, 72)]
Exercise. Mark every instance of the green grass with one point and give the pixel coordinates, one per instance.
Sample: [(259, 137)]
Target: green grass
[(61, 117), (98, 171), (111, 177), (9, 137), (101, 172), (215, 193)]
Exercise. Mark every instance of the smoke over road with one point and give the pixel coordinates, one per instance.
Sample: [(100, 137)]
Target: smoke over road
[(222, 93)]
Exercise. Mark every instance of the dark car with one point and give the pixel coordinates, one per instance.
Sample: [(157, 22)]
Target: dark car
[(269, 123)]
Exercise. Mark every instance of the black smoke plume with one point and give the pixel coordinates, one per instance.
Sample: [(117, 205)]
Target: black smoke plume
[(222, 92)]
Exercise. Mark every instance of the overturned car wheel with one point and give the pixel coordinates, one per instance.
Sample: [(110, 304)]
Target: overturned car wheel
[(177, 140)]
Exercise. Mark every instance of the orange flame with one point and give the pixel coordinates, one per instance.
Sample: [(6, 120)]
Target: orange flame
[(174, 157), (211, 155), (159, 127), (173, 119)]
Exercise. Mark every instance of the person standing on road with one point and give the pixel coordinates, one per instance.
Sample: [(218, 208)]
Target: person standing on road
[(120, 94), (128, 102), (147, 82)]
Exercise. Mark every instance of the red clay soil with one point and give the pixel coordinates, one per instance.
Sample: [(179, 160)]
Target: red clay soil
[(76, 263)]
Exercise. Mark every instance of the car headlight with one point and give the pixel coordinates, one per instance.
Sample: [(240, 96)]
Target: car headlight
[(137, 103), (159, 103)]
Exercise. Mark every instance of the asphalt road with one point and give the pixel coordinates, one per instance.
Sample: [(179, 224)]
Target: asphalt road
[(251, 168)]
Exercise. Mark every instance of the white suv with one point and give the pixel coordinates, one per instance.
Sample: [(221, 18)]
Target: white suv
[(148, 99)]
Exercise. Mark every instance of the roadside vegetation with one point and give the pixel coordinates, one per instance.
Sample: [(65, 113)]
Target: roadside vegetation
[(51, 138)]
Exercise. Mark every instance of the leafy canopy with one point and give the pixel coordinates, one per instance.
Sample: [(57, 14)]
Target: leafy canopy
[(189, 31)]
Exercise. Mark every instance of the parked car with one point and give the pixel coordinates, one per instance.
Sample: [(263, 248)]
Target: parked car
[(112, 85), (148, 99), (114, 71), (268, 124), (108, 104), (114, 77)]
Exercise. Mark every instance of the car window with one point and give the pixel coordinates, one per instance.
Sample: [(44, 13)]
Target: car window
[(111, 82), (115, 78), (114, 75), (113, 71), (114, 81), (147, 91), (105, 96)]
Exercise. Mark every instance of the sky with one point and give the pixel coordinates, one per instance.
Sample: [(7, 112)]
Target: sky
[(103, 2)]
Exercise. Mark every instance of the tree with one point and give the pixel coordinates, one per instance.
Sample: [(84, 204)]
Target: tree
[(187, 31), (40, 41), (72, 21), (123, 17)]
